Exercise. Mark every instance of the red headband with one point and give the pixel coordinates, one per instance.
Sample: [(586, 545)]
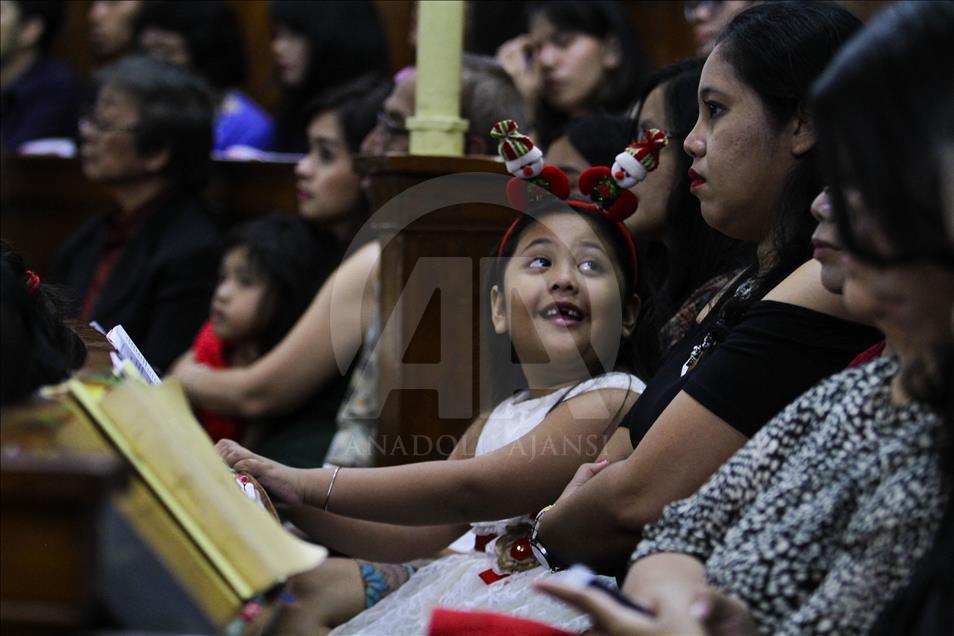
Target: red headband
[(525, 161), (588, 207)]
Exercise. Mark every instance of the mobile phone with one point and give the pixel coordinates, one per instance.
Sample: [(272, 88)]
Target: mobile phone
[(580, 576)]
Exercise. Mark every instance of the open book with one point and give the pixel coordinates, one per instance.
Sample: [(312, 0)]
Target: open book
[(153, 427), (126, 349)]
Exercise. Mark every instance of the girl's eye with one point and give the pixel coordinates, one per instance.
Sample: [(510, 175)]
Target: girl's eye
[(590, 266), (539, 263), (326, 155)]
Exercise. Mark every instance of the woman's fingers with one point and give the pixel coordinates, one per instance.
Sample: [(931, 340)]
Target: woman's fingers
[(609, 616)]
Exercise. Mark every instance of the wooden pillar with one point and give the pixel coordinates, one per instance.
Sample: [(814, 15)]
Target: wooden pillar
[(416, 225), (436, 127)]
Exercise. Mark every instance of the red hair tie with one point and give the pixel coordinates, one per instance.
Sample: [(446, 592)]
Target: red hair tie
[(32, 281)]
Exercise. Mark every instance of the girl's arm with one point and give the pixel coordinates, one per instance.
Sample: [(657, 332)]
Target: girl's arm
[(332, 327), (380, 541), (374, 541), (517, 479)]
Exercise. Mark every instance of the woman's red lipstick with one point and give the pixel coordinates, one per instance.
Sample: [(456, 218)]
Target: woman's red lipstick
[(697, 179)]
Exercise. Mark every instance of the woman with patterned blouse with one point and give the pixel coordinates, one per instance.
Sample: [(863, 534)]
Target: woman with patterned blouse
[(821, 518)]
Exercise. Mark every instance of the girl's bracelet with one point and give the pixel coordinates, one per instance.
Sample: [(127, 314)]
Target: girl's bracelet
[(331, 485)]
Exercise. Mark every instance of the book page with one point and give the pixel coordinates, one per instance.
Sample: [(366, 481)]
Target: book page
[(154, 428)]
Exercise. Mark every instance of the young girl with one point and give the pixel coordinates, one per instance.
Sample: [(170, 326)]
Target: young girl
[(562, 292), (269, 273)]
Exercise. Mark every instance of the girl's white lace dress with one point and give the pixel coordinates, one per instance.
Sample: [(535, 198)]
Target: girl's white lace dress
[(460, 581)]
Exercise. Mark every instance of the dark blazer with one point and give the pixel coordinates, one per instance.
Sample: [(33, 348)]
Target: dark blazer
[(160, 288)]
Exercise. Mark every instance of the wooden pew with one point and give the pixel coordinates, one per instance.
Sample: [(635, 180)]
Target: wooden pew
[(51, 514), (88, 545), (45, 198)]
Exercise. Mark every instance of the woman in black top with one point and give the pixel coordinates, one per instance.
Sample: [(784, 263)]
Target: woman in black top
[(774, 331)]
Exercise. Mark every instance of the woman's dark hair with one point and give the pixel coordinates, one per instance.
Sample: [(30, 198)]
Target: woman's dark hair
[(356, 105), (602, 19), (212, 35), (692, 253), (507, 376), (295, 258), (345, 40), (175, 114), (778, 49), (899, 69), (599, 137), (38, 348), (858, 149)]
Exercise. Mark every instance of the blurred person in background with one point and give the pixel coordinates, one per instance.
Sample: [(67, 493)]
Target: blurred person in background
[(329, 189), (578, 58), (283, 379), (149, 264), (590, 140), (487, 95), (317, 46), (112, 30), (709, 17), (41, 96), (206, 38)]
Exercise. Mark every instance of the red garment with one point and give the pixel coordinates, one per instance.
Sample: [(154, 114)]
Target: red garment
[(122, 228), (445, 622), (872, 352), (209, 350)]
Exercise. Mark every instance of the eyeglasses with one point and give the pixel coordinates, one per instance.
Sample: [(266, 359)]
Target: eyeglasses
[(691, 9), (97, 123)]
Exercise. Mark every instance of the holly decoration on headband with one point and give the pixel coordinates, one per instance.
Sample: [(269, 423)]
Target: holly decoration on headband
[(608, 187), (598, 184), (524, 161)]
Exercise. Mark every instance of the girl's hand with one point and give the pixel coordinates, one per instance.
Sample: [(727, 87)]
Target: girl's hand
[(611, 618), (517, 59), (283, 483), (583, 474)]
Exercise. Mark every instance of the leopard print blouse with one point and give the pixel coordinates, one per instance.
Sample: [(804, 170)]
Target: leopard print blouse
[(818, 521)]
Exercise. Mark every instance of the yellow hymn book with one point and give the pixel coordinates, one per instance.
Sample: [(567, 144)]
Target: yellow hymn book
[(153, 427)]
